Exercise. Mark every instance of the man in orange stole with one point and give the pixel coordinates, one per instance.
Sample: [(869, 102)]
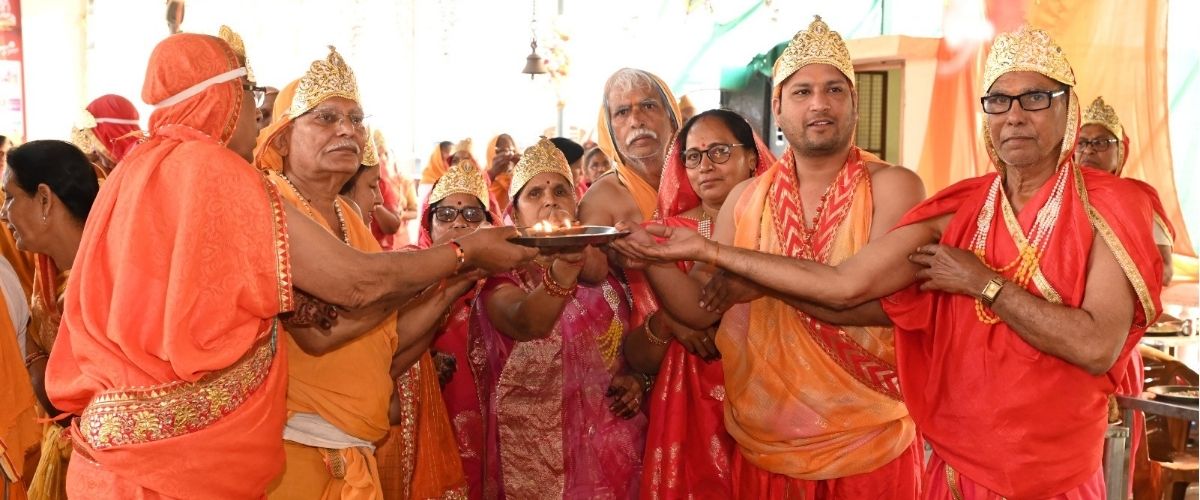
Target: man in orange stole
[(19, 430), (637, 121), (168, 343), (337, 398), (338, 390), (1043, 277)]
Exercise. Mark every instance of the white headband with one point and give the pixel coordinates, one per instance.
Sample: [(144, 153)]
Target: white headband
[(119, 121), (200, 87)]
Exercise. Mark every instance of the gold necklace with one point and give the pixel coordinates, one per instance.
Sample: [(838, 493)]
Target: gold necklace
[(337, 209)]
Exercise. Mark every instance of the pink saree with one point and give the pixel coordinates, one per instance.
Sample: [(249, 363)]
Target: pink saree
[(549, 430)]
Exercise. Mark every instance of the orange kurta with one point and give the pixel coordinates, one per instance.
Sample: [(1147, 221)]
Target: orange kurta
[(349, 387), (794, 403), (167, 346)]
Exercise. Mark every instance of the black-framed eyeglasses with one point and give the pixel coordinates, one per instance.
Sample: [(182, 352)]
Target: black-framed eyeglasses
[(1097, 145), (717, 153), (260, 93), (1036, 100), (469, 214)]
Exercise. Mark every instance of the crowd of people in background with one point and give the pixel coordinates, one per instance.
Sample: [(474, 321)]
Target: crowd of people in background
[(248, 298)]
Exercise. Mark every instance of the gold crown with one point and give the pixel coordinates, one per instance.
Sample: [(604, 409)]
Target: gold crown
[(329, 77), (539, 158), (465, 178), (239, 47), (369, 157), (1027, 49), (1102, 114), (815, 45), (81, 133), (463, 145)]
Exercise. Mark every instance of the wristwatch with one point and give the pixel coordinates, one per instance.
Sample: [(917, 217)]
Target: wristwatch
[(991, 290)]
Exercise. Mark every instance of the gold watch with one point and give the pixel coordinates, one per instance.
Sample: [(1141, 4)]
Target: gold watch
[(991, 290)]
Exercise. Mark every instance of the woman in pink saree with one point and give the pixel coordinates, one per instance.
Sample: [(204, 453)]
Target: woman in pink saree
[(565, 417), (688, 451)]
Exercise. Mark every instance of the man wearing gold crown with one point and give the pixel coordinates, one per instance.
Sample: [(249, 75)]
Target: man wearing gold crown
[(1103, 144), (823, 200), (1015, 315), (168, 351), (339, 383)]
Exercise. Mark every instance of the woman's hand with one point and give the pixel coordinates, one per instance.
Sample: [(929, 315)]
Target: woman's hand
[(626, 391)]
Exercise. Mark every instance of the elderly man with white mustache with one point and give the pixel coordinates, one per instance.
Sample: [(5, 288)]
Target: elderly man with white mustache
[(638, 119)]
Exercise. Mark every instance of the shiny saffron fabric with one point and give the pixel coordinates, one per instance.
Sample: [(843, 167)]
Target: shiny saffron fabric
[(993, 407), (180, 273), (794, 407)]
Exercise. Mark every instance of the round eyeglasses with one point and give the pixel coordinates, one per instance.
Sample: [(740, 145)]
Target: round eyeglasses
[(717, 153), (1097, 145)]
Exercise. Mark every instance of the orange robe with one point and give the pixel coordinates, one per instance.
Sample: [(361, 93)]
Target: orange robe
[(167, 349), (19, 430), (814, 408), (993, 407), (349, 387), (419, 458)]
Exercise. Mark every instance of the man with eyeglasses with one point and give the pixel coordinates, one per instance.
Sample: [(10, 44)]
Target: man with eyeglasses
[(339, 376), (1103, 145), (1016, 312), (264, 98)]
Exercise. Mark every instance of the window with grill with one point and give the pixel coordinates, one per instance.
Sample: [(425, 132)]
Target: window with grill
[(872, 111)]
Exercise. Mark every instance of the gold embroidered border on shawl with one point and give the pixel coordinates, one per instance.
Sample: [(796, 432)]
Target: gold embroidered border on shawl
[(145, 414), (283, 266), (1118, 250)]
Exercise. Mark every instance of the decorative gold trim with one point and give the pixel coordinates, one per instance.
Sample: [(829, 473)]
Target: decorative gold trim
[(1014, 230), (120, 417), (952, 483), (406, 385), (1166, 229), (283, 266), (1118, 250)]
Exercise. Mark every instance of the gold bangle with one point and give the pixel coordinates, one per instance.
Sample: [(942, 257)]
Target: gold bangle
[(654, 339), (716, 257), (553, 287)]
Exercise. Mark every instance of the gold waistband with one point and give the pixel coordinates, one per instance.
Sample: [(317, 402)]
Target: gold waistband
[(145, 414)]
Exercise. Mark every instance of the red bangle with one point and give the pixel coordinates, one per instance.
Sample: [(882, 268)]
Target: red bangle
[(33, 357), (460, 256)]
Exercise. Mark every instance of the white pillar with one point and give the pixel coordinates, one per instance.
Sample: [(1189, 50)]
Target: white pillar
[(54, 36)]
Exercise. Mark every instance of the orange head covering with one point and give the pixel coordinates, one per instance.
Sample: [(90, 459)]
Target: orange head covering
[(109, 127), (181, 270), (645, 194)]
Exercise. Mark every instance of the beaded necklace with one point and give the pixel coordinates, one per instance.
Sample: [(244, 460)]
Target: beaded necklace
[(337, 209)]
